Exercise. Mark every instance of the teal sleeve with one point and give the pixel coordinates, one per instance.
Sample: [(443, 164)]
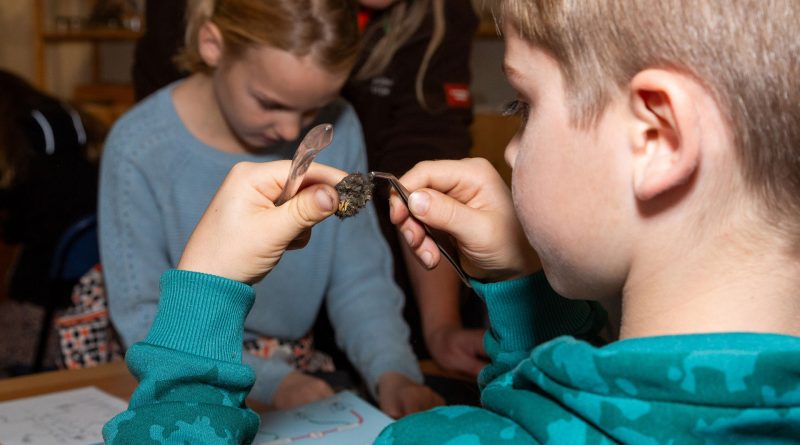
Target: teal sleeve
[(527, 312), (192, 384)]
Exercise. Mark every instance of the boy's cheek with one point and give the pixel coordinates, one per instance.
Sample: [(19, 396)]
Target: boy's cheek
[(512, 149), (523, 207)]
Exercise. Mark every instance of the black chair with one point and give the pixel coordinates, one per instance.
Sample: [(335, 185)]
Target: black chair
[(75, 254), (49, 187)]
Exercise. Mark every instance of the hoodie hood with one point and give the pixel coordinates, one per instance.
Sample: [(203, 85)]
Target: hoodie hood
[(706, 388)]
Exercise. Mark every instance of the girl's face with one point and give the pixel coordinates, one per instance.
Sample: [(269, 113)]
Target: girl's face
[(267, 95)]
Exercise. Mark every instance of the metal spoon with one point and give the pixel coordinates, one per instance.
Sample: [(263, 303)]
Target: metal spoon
[(440, 238), (315, 140)]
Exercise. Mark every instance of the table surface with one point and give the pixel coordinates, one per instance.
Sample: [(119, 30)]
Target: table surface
[(112, 378)]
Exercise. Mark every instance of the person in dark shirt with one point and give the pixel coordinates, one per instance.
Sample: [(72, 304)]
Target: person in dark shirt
[(411, 92), (153, 65)]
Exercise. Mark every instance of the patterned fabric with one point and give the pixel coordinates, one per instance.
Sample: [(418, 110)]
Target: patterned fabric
[(690, 389), (300, 354), (85, 333), (88, 339)]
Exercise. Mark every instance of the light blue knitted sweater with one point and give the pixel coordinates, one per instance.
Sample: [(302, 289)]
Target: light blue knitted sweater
[(156, 181)]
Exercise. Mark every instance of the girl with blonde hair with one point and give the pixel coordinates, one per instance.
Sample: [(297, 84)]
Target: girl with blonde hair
[(263, 73)]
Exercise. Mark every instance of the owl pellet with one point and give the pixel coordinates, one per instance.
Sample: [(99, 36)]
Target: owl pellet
[(355, 190)]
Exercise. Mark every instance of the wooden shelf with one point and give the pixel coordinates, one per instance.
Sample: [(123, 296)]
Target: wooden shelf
[(92, 34), (48, 33)]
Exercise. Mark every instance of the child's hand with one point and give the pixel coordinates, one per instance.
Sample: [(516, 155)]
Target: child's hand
[(399, 396), (469, 200), (298, 389), (458, 349), (242, 235)]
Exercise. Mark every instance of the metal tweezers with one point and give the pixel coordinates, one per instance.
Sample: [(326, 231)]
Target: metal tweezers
[(441, 239)]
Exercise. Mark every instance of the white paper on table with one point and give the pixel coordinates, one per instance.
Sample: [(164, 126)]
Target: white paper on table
[(342, 419), (65, 418)]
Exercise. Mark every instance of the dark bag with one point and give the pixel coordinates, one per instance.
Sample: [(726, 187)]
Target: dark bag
[(55, 187)]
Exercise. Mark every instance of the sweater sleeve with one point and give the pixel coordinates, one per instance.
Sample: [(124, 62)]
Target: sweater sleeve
[(132, 240), (192, 385), (527, 312), (364, 303)]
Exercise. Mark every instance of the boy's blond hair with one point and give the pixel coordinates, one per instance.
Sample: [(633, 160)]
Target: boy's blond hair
[(745, 52), (327, 30)]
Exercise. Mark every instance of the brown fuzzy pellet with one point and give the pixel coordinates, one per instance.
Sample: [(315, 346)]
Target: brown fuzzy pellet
[(355, 190)]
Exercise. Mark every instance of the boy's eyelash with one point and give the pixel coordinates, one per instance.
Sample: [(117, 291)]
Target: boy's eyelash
[(517, 108)]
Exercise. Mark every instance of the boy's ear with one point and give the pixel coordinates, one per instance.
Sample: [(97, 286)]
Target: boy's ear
[(666, 139), (210, 44)]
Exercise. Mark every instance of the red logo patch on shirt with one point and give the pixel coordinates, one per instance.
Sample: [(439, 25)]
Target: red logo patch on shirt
[(458, 95), (364, 17)]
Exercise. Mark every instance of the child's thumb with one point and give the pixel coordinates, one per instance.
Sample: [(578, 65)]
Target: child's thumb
[(440, 211), (309, 207)]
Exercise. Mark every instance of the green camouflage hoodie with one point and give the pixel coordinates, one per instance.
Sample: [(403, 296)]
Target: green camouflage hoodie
[(736, 388), (693, 389)]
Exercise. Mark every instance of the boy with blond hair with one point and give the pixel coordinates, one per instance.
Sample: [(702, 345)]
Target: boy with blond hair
[(658, 170)]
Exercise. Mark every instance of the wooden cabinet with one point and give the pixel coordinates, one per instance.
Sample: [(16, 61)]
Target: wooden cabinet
[(53, 28)]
